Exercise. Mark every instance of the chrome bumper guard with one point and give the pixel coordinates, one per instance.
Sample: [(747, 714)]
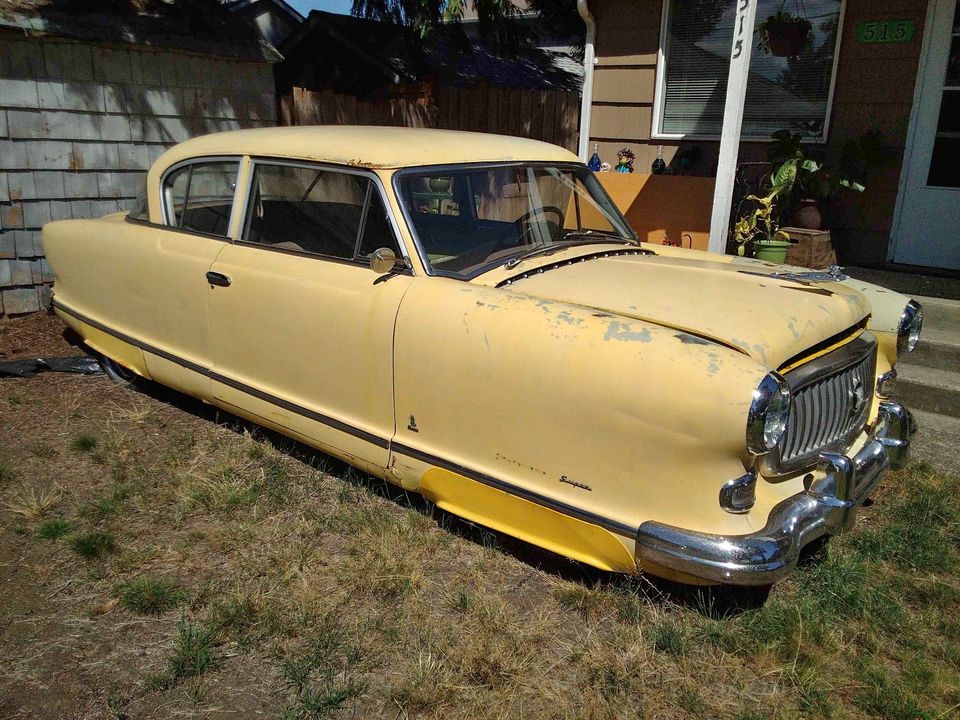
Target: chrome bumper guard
[(829, 506)]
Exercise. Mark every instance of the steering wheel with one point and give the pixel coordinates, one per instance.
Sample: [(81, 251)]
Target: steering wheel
[(524, 224)]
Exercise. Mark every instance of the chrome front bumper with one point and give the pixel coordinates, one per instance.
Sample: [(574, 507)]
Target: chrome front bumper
[(829, 506)]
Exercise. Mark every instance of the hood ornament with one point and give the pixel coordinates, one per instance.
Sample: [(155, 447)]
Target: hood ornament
[(832, 274)]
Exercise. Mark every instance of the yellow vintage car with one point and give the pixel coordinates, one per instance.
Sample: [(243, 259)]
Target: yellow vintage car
[(470, 316)]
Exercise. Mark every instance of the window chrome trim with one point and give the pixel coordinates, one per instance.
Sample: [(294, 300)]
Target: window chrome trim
[(166, 210), (455, 167), (310, 164)]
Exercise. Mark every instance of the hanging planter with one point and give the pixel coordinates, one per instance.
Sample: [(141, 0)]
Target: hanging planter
[(785, 35)]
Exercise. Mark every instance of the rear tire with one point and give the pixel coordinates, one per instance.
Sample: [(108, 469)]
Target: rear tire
[(119, 374)]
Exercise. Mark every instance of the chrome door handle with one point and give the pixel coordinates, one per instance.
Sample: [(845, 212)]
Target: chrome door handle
[(215, 278)]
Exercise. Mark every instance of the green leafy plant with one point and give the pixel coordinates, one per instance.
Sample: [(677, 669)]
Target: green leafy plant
[(809, 177), (760, 226)]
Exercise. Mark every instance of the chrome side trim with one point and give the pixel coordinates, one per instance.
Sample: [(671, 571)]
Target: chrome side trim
[(829, 506)]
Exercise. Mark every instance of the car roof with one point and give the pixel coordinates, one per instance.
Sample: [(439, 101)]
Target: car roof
[(368, 146)]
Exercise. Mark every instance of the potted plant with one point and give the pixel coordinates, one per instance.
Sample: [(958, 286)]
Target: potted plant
[(785, 35), (760, 230), (811, 183)]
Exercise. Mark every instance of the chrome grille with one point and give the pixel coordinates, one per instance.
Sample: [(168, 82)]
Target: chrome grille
[(831, 403)]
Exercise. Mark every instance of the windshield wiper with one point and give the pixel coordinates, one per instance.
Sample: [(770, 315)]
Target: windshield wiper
[(546, 249), (601, 235)]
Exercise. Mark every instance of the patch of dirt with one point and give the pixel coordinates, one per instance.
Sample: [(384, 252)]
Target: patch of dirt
[(37, 335)]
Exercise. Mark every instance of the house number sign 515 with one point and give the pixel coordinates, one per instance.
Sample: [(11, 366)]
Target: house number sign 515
[(886, 31)]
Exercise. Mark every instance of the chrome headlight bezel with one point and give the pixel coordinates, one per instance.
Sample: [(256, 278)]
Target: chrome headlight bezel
[(910, 327), (769, 413)]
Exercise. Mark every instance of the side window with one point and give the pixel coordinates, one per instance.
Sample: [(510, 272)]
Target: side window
[(318, 211), (199, 196)]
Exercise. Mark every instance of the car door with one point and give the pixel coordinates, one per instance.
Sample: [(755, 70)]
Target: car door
[(301, 327), (169, 292)]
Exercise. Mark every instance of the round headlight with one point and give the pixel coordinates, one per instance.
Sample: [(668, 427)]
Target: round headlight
[(911, 323), (769, 412)]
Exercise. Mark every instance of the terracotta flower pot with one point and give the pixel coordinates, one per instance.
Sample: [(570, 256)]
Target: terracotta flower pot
[(787, 40), (808, 215)]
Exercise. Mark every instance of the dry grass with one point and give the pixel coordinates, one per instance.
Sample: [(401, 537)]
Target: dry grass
[(307, 590), (32, 503)]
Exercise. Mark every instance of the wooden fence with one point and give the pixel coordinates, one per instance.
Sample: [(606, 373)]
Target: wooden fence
[(548, 115)]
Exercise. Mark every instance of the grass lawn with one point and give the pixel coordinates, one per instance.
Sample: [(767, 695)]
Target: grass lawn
[(160, 559)]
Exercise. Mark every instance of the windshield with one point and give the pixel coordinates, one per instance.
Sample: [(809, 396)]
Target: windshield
[(468, 220)]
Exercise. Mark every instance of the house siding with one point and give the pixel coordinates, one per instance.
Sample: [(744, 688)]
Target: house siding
[(80, 122), (874, 90)]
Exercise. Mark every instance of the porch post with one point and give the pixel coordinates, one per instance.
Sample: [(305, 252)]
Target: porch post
[(732, 122)]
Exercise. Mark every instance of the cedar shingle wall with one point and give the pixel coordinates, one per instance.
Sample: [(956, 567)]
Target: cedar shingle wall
[(81, 122)]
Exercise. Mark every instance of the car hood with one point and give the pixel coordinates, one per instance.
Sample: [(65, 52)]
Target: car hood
[(741, 304)]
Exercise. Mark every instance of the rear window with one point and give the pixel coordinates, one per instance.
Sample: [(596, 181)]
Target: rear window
[(199, 196)]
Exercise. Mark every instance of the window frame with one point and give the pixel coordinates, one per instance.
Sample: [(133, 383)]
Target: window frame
[(245, 210), (166, 204), (659, 93)]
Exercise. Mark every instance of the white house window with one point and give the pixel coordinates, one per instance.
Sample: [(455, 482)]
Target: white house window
[(782, 93)]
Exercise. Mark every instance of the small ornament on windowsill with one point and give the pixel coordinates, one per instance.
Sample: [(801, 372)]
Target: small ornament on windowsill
[(659, 167), (625, 158), (595, 163)]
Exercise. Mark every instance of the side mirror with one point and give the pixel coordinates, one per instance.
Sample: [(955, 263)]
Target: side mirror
[(383, 260)]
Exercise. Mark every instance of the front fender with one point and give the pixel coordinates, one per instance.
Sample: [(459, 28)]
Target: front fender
[(627, 420)]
